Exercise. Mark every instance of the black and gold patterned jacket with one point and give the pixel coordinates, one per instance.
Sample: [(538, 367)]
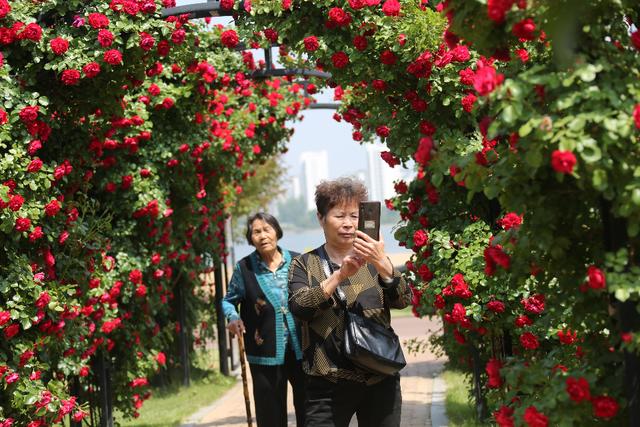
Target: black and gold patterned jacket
[(322, 320)]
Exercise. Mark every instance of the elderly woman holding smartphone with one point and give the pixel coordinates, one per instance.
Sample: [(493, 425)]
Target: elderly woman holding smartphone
[(353, 266), (259, 285)]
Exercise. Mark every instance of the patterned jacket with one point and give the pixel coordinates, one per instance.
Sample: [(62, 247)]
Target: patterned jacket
[(322, 320)]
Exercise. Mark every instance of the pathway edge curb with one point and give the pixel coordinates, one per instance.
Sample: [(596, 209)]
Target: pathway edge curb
[(438, 411)]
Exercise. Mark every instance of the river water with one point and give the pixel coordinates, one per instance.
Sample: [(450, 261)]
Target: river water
[(305, 240)]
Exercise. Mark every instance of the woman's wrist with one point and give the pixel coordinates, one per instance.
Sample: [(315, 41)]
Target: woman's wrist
[(384, 268)]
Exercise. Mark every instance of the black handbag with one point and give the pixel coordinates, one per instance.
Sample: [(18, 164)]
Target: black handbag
[(368, 344)]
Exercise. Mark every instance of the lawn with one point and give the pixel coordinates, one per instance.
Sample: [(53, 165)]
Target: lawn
[(171, 405), (460, 411)]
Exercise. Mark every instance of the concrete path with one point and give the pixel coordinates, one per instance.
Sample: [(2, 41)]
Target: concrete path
[(417, 382)]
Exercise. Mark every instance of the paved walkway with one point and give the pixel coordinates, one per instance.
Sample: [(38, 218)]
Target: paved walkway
[(417, 380)]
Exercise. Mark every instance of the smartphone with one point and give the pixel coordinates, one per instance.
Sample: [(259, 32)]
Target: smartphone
[(369, 219)]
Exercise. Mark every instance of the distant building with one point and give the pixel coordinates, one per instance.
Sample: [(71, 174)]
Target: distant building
[(380, 175), (293, 190), (315, 168)]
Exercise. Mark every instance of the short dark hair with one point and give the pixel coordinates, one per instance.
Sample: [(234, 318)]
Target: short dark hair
[(333, 193), (269, 219)]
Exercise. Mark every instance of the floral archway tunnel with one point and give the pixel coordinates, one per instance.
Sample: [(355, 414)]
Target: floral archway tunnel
[(522, 117)]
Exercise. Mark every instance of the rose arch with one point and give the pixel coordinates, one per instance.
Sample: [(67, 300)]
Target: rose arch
[(522, 118)]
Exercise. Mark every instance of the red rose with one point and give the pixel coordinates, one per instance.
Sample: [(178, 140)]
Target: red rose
[(141, 290), (497, 9), (15, 202), (604, 406), (10, 332), (378, 84), (29, 114), (311, 43), (383, 131), (389, 158), (468, 102), (423, 153), (161, 358), (494, 256), (460, 53), (178, 36), (52, 208), (458, 313), (495, 306), (597, 279), (636, 110), (113, 57), (425, 273), (510, 220), (91, 70), (31, 32), (339, 17), (43, 300), (493, 371), (22, 224), (105, 38), (360, 42), (635, 39), (578, 389), (529, 341), (5, 8), (524, 29), (486, 80), (460, 287), (340, 59), (563, 161), (522, 321), (35, 165), (400, 187), (534, 304), (146, 41), (504, 416), (36, 234), (229, 38), (135, 276), (226, 4), (4, 117), (98, 20), (391, 8), (59, 45), (70, 77), (5, 316), (534, 418), (388, 58), (420, 239), (356, 4)]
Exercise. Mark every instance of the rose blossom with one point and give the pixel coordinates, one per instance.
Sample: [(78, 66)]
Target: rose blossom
[(70, 77), (387, 57), (510, 220), (420, 238), (604, 406), (497, 9), (113, 57), (636, 110), (5, 316), (486, 80), (29, 114), (534, 418), (340, 59), (391, 8), (311, 43), (105, 38), (578, 389), (5, 8), (495, 306), (11, 331), (524, 29), (529, 341), (229, 38), (98, 20), (423, 154), (468, 102), (91, 70), (59, 45), (534, 304), (504, 416), (563, 161)]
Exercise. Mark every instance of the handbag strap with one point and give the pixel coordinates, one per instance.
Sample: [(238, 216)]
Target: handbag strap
[(328, 271)]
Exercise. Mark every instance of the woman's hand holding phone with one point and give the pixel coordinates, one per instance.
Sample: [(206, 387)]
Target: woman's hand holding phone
[(373, 251)]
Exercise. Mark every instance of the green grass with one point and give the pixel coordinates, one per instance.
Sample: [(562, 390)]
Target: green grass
[(405, 312), (460, 411), (170, 405)]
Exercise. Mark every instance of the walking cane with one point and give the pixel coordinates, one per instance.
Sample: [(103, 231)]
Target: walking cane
[(245, 386)]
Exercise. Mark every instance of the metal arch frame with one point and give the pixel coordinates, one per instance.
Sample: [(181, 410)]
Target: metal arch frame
[(198, 10)]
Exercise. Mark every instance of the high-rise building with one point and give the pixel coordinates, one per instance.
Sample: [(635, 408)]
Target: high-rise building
[(381, 176), (315, 168)]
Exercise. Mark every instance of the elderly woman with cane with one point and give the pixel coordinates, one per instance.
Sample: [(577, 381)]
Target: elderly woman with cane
[(272, 343), (347, 280)]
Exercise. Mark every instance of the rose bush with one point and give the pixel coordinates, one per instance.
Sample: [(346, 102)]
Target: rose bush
[(123, 139), (522, 118)]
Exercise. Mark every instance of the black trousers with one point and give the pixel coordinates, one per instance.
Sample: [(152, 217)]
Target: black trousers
[(270, 391), (333, 404)]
